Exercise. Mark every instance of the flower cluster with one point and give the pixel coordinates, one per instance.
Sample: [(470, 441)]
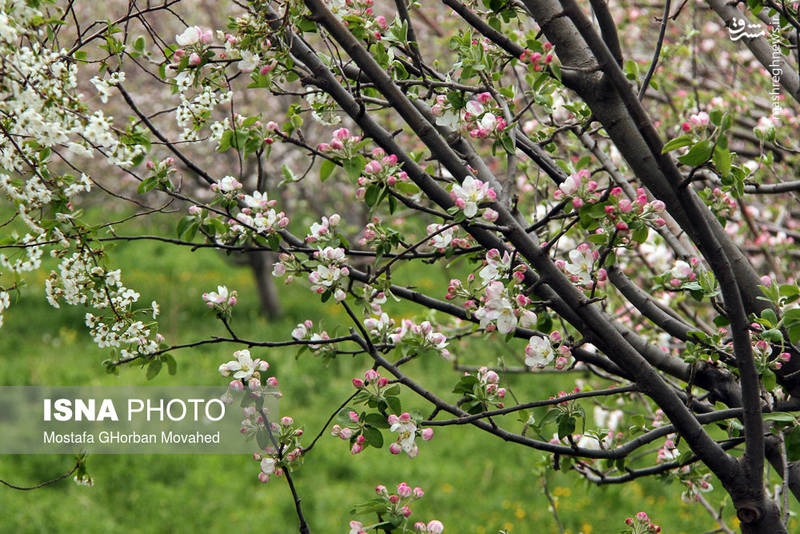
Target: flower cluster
[(470, 194), (444, 236), (537, 60), (407, 431), (372, 383), (329, 273), (683, 272), (303, 332), (697, 121), (581, 266), (323, 230), (381, 237), (765, 128), (221, 300), (539, 352), (625, 214), (394, 509), (497, 305), (412, 337), (279, 442), (669, 452), (287, 435), (695, 486), (481, 120), (641, 524), (381, 169), (360, 17), (491, 392), (721, 203), (81, 281), (619, 215), (244, 369), (342, 145)]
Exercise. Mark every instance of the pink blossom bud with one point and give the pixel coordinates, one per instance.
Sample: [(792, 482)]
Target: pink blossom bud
[(382, 382), (370, 375), (406, 511), (490, 215), (236, 385), (263, 477), (195, 59), (395, 448), (427, 434), (353, 416), (357, 382), (435, 527), (342, 134), (380, 489), (356, 448)]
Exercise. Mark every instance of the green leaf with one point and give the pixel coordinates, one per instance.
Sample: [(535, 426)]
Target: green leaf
[(722, 161), (262, 438), (698, 154), (172, 364), (780, 417), (566, 426), (466, 384), (793, 444), (374, 436), (376, 420), (354, 167), (153, 369), (640, 234), (769, 316), (394, 405), (184, 223), (372, 194), (326, 169), (406, 187), (678, 142)]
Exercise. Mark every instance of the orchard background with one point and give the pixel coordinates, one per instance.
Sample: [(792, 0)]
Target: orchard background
[(541, 255)]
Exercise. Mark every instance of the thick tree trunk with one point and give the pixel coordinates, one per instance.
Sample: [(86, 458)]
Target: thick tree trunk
[(261, 265), (767, 521)]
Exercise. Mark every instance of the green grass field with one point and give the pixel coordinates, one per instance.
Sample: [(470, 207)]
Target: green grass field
[(474, 483)]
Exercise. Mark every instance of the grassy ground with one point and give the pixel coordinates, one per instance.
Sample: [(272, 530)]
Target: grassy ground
[(474, 483)]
